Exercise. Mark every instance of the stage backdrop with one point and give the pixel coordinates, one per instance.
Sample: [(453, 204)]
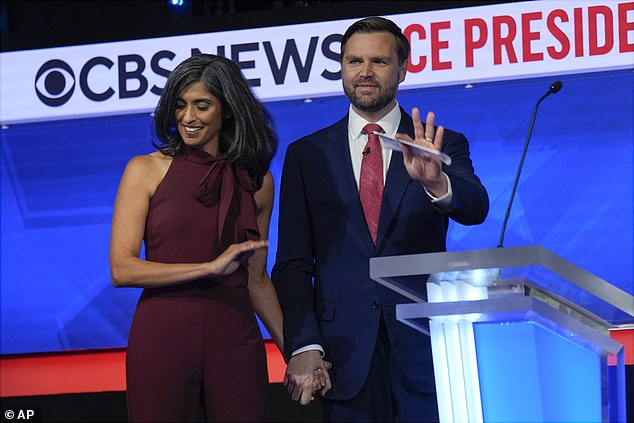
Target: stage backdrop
[(481, 70)]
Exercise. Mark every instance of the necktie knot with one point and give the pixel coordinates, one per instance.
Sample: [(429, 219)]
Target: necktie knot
[(371, 127)]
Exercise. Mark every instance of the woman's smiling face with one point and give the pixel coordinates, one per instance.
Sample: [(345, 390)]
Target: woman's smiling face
[(199, 118)]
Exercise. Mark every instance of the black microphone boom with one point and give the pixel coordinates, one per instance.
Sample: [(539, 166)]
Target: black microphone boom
[(554, 88)]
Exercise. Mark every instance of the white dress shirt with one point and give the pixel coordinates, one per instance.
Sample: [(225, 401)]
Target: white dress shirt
[(357, 141)]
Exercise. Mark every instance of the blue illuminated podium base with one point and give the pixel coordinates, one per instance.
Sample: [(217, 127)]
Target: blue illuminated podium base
[(530, 373), (518, 334)]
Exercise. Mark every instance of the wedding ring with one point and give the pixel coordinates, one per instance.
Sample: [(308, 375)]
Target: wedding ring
[(429, 139)]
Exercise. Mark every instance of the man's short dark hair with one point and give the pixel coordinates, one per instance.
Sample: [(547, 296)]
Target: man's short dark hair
[(378, 24)]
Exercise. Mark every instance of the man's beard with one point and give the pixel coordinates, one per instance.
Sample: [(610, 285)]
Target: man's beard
[(370, 104)]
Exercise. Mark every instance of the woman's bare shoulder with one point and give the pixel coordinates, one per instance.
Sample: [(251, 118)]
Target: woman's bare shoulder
[(151, 163), (148, 170)]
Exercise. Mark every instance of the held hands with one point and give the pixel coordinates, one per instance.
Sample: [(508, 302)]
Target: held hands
[(236, 254), (307, 374), (321, 380), (425, 168)]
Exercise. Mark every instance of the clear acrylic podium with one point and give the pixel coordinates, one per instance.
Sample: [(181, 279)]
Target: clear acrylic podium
[(518, 334)]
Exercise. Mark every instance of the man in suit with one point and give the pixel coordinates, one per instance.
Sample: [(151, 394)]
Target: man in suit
[(334, 218)]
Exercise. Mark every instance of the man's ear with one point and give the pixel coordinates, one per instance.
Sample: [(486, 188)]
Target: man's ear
[(402, 72)]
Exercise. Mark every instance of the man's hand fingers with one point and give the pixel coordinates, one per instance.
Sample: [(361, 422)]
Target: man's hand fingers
[(418, 126), (429, 126), (320, 379), (327, 385), (440, 132), (296, 394), (306, 397)]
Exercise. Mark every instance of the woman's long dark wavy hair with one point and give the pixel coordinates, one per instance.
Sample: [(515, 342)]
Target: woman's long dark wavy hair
[(247, 137)]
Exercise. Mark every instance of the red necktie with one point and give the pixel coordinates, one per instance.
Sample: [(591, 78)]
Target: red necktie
[(371, 179)]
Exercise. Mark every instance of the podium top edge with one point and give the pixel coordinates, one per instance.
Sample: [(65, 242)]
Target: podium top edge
[(500, 258)]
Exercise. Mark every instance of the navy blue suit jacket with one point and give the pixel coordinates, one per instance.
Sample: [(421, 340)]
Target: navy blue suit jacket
[(321, 272)]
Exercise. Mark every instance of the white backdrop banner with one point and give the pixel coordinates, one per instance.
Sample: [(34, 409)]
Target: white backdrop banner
[(456, 46)]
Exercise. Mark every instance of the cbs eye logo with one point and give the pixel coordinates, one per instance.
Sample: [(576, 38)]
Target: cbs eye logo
[(54, 83)]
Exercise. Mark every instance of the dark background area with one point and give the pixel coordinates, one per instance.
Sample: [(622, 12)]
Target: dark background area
[(33, 24)]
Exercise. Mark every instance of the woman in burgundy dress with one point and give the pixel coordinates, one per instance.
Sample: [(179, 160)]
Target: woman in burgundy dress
[(201, 206)]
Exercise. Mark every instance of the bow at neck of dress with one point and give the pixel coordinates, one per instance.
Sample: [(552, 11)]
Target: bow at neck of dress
[(230, 188)]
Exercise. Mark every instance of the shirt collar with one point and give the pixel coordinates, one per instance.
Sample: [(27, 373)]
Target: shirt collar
[(389, 122)]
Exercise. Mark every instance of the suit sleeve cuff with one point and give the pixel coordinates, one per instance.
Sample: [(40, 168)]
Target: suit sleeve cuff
[(311, 347), (444, 203)]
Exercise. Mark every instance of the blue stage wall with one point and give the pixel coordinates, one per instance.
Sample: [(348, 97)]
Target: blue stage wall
[(59, 181)]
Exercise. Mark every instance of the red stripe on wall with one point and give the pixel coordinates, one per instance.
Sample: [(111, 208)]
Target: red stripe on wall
[(84, 371), (626, 338), (104, 370)]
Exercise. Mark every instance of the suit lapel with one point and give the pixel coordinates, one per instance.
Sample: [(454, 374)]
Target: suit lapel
[(395, 183), (338, 152)]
